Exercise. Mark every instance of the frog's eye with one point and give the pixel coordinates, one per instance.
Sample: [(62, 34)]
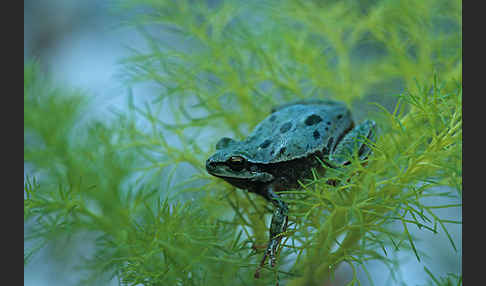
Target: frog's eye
[(236, 163)]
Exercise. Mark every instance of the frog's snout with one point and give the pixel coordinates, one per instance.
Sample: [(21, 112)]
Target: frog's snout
[(210, 166)]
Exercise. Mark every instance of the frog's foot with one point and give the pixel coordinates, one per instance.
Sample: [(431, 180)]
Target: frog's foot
[(259, 268), (271, 250), (277, 228)]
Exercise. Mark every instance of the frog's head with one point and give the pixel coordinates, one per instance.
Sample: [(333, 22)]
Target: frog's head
[(232, 163)]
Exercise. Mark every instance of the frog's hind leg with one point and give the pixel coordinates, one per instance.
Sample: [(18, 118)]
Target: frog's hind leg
[(277, 227), (357, 140)]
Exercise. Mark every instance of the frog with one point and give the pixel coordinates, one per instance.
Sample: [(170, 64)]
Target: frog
[(284, 148)]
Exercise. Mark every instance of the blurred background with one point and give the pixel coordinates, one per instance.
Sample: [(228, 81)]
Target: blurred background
[(80, 43)]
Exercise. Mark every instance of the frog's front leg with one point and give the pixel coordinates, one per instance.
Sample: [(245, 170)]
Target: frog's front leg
[(277, 227)]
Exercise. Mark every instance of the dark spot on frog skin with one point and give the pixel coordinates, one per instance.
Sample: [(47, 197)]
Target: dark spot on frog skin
[(316, 134), (282, 150), (273, 151), (313, 119), (265, 144), (285, 127), (339, 116), (327, 128), (272, 118), (328, 123)]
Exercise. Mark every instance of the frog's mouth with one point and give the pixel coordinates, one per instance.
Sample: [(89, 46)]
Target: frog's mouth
[(242, 180), (224, 172)]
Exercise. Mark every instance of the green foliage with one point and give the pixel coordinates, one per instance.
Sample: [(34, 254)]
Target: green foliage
[(139, 183), (450, 280)]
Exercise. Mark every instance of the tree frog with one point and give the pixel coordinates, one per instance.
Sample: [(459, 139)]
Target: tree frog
[(284, 148)]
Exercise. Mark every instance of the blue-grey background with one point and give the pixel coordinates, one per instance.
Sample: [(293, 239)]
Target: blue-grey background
[(80, 44)]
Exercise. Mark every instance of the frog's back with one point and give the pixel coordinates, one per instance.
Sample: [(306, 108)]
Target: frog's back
[(297, 130)]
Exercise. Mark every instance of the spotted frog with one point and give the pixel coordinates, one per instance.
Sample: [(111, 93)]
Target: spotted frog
[(284, 148)]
